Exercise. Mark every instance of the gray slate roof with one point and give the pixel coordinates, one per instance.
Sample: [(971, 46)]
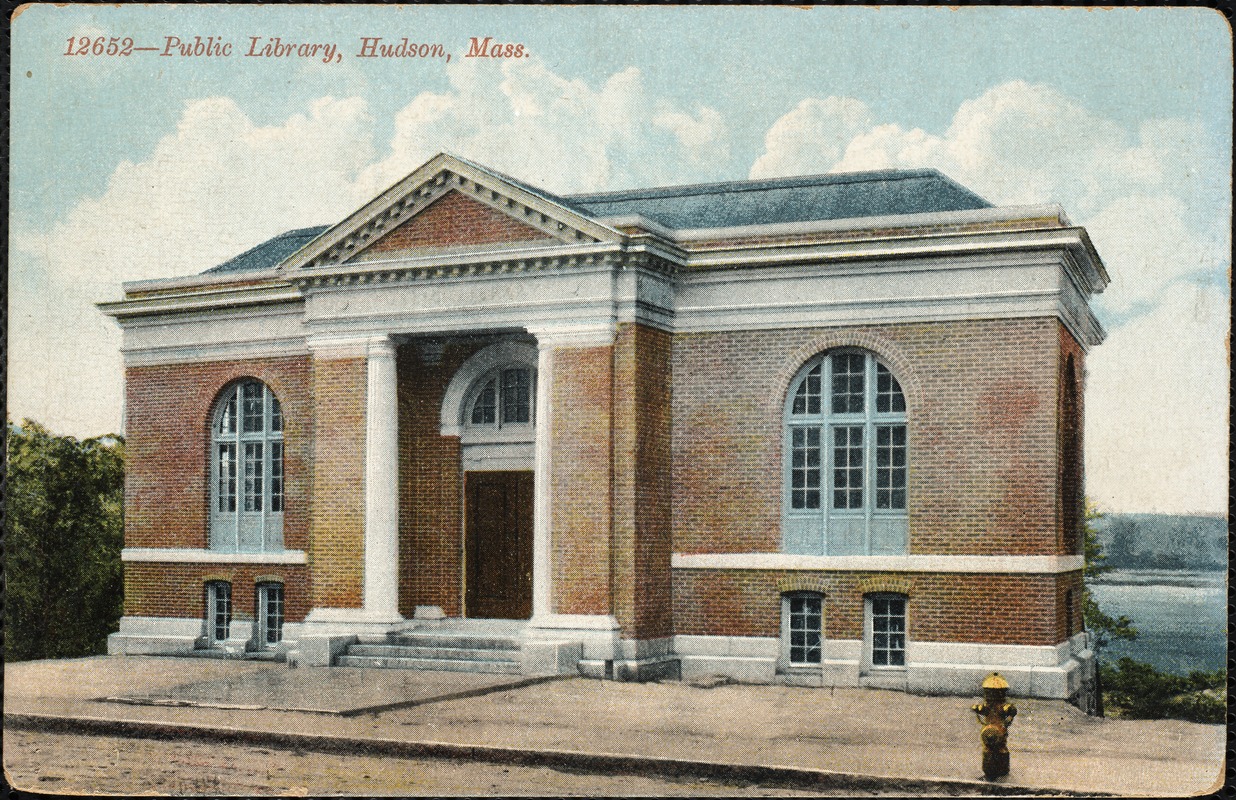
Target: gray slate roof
[(270, 252), (819, 197), (849, 195)]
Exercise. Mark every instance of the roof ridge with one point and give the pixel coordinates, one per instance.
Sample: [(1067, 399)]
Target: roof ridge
[(758, 184)]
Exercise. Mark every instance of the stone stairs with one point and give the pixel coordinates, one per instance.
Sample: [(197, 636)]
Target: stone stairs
[(453, 652)]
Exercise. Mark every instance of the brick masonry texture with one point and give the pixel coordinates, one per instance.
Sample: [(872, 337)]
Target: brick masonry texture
[(982, 408), (337, 531), (179, 590), (581, 429), (942, 607), (642, 482), (431, 557), (168, 417), (452, 220)]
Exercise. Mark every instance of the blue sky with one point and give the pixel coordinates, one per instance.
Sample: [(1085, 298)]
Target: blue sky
[(127, 168)]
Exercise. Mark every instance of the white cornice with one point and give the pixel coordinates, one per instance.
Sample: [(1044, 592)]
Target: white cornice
[(1009, 215), (1029, 565), (202, 299)]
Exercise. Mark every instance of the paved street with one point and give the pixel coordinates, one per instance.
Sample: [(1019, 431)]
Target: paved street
[(844, 739)]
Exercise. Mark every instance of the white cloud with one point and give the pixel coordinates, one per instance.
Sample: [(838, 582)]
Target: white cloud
[(219, 184), (1157, 408), (812, 137), (560, 134), (1156, 203), (210, 190)]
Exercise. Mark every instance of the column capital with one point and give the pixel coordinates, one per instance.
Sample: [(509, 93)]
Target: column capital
[(328, 346), (589, 334)]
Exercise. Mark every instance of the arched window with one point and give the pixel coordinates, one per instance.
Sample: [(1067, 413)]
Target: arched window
[(246, 464), (846, 458), (502, 398)]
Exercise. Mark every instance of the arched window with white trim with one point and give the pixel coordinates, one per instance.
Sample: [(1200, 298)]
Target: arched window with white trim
[(846, 458), (246, 469)]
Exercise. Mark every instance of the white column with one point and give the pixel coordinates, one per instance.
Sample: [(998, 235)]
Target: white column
[(542, 588), (381, 600)]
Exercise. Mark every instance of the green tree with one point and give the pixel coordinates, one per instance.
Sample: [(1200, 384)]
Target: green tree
[(1104, 629), (63, 529)]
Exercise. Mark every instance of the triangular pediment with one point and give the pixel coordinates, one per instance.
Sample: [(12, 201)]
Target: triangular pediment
[(450, 204)]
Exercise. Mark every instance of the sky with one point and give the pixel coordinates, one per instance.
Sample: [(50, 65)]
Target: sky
[(129, 167)]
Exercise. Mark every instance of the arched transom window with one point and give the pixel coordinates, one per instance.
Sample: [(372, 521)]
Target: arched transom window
[(246, 502), (847, 458), (501, 399)]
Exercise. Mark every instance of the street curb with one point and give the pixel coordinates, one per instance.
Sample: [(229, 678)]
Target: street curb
[(603, 763)]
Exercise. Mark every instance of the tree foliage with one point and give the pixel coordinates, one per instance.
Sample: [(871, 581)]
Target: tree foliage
[(1137, 690), (63, 528), (1104, 629)]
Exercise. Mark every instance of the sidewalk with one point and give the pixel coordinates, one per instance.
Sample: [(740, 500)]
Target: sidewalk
[(864, 739)]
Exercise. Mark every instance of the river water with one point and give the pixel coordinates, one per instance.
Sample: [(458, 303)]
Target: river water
[(1181, 617)]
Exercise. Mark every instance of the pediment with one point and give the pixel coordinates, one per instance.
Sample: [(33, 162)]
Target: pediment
[(450, 204)]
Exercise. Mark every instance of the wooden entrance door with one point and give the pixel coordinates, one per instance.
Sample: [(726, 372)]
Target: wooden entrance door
[(498, 515)]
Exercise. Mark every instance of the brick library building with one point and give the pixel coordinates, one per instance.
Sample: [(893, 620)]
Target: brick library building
[(823, 431)]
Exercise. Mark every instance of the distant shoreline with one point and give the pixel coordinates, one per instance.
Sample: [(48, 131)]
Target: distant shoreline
[(1215, 576)]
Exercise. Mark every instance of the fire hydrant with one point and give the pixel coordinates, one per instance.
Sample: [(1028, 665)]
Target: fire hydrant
[(995, 715)]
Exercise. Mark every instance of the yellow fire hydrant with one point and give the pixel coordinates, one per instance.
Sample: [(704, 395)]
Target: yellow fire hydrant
[(995, 715)]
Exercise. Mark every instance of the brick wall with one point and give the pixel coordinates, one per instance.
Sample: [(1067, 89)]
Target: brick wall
[(168, 412), (178, 590), (642, 482), (430, 481), (337, 528), (580, 442), (453, 219), (988, 609), (982, 398)]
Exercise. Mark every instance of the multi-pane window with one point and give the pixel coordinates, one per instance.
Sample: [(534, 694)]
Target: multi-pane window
[(247, 481), (270, 613), (887, 629), (504, 397), (847, 458), (218, 610), (802, 622)]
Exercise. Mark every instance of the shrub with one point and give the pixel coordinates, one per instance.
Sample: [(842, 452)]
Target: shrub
[(1137, 690)]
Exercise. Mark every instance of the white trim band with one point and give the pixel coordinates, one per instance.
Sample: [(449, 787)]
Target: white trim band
[(186, 555), (923, 563)]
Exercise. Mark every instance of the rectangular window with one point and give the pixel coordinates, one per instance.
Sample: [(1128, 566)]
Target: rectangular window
[(888, 631), (848, 467), (253, 476), (805, 628), (891, 467), (276, 476), (270, 612), (219, 610), (849, 373), (516, 395), (805, 468), (251, 407), (227, 476)]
